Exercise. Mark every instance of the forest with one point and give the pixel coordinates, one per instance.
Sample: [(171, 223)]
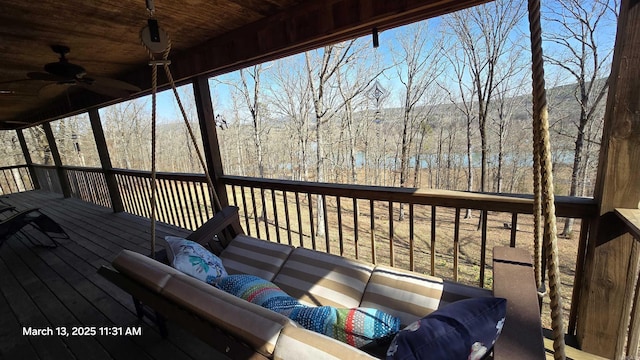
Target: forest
[(439, 104)]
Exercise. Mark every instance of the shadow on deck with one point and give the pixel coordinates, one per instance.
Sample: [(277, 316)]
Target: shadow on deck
[(60, 288)]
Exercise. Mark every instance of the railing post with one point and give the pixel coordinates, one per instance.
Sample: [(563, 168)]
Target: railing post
[(611, 264), (105, 161), (207, 120), (27, 159), (53, 147)]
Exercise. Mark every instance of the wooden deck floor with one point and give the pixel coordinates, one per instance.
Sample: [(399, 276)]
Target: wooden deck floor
[(50, 288)]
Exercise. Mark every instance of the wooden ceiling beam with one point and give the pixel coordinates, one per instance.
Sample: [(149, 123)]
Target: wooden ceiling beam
[(301, 28)]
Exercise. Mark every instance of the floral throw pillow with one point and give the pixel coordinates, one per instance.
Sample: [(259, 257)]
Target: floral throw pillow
[(465, 329), (193, 259)]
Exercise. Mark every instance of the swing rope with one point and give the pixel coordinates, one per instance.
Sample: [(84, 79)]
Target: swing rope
[(544, 200), (154, 63)]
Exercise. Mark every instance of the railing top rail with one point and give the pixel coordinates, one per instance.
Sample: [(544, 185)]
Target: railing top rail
[(161, 175), (516, 203), (82, 168), (42, 166), (13, 167)]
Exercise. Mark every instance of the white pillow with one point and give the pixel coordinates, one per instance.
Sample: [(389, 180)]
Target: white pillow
[(193, 259)]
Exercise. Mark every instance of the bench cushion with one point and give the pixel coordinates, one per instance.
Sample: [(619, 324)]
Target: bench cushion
[(247, 255), (299, 343), (319, 279), (404, 294)]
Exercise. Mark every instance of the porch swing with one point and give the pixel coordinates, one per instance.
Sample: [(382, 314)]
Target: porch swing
[(220, 233)]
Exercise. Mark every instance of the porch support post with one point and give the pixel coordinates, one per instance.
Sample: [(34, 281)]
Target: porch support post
[(210, 143), (53, 147), (612, 259), (27, 159), (105, 161)]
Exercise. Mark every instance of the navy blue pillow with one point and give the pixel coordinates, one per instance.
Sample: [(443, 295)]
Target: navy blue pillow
[(465, 329)]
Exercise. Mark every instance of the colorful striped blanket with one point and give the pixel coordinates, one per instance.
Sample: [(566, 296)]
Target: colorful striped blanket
[(356, 326)]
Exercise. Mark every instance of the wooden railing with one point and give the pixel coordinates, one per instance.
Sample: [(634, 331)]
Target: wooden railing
[(15, 179), (88, 184), (183, 199), (48, 178), (631, 221)]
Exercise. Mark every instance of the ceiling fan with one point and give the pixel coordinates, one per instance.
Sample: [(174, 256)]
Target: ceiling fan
[(64, 73)]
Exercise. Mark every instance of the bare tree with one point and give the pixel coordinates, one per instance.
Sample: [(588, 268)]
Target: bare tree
[(419, 64), (484, 34), (575, 32)]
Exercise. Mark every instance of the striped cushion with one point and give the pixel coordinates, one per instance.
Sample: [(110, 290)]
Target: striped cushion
[(298, 343), (247, 255), (317, 278), (404, 294)]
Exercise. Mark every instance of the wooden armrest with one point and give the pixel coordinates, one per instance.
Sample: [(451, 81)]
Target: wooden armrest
[(219, 230), (513, 279)]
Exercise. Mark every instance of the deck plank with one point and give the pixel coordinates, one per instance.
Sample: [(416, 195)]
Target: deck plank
[(61, 287)]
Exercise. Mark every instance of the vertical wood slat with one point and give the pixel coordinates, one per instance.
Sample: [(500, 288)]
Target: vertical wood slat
[(356, 229), (171, 208), (456, 244), (186, 200), (412, 265), (233, 194), (198, 201), (483, 247), (255, 211), (373, 232), (514, 229), (311, 225), (135, 196), (244, 207), (634, 325), (286, 215), (300, 233), (275, 215), (264, 213), (326, 223), (391, 250), (433, 240), (339, 212), (180, 204), (204, 199), (579, 275)]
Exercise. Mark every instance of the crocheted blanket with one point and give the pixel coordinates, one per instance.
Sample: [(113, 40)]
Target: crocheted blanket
[(355, 326)]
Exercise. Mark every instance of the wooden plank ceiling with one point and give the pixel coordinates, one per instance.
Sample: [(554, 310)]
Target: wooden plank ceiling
[(208, 37)]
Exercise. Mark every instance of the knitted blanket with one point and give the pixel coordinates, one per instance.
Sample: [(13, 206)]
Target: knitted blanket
[(356, 326)]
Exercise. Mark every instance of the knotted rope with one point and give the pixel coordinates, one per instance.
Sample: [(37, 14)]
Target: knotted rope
[(544, 177), (153, 62)]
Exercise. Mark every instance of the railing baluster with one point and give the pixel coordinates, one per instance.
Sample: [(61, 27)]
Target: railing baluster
[(355, 226), (433, 240), (514, 229), (373, 233), (193, 206), (264, 213), (456, 244), (198, 201), (339, 212), (135, 187), (171, 209), (275, 215), (177, 204), (300, 231), (233, 193), (483, 248), (412, 265), (206, 195), (311, 226), (391, 251), (255, 211), (286, 215), (246, 213), (326, 224)]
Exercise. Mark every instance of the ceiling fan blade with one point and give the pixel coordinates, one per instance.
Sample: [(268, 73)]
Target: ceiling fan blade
[(105, 90), (44, 76), (53, 90), (114, 84)]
